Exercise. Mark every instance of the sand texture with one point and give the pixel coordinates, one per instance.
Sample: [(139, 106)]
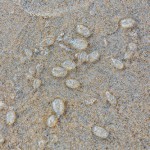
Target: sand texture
[(74, 75)]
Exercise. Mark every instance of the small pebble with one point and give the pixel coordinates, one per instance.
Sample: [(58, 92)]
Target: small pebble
[(127, 23), (10, 117), (59, 72), (68, 64), (81, 57), (83, 30), (2, 140), (58, 107), (132, 47), (100, 132), (28, 53), (79, 43), (111, 98), (37, 83), (72, 83), (117, 64), (94, 56), (52, 121), (2, 106)]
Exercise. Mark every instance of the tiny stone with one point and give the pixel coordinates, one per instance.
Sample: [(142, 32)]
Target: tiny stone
[(127, 23), (10, 117), (72, 83), (132, 46), (117, 63), (111, 98), (79, 44), (28, 53), (100, 132), (68, 64), (59, 72), (36, 83), (58, 107), (82, 57), (52, 121), (94, 56), (82, 30), (2, 140)]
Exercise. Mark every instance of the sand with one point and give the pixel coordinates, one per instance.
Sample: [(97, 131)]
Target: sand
[(28, 87)]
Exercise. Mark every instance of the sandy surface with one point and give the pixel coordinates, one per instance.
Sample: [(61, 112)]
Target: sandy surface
[(24, 25)]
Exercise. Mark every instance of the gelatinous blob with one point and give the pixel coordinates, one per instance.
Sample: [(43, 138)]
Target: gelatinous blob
[(127, 23), (59, 72), (72, 83), (52, 121), (79, 43), (93, 57), (10, 117), (83, 30), (58, 107), (37, 83), (117, 63), (81, 57), (68, 64), (100, 132)]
